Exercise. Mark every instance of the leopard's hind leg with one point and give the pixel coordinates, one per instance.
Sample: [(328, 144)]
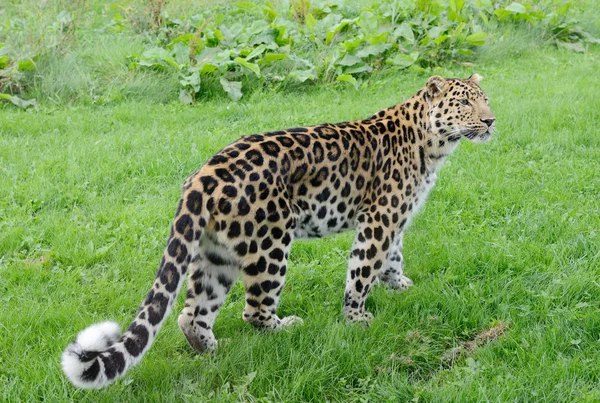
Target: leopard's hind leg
[(212, 273), (264, 275)]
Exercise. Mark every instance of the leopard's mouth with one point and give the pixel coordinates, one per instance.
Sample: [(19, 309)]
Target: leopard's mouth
[(476, 136), (485, 136)]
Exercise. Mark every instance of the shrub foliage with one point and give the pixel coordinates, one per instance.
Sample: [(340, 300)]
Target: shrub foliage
[(304, 41)]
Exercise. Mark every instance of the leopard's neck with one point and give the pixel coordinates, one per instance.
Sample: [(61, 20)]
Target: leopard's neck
[(413, 120)]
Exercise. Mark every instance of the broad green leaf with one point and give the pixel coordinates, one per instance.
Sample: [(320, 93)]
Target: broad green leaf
[(218, 19), (589, 37), (453, 16), (416, 68), (434, 32), (182, 53), (26, 65), (266, 37), (377, 39), (484, 17), (208, 68), (192, 79), (337, 28), (271, 57), (441, 39), (349, 60), (310, 21), (562, 10), (15, 100), (537, 15), (430, 7), (232, 88), (403, 60), (368, 21), (302, 61), (269, 13), (3, 62), (302, 75), (250, 66), (257, 27), (256, 52), (185, 97), (348, 79), (223, 57), (157, 56), (476, 39), (247, 6), (219, 35), (516, 8), (485, 4), (406, 32), (575, 46), (503, 14), (357, 68), (185, 38), (454, 10), (329, 36), (457, 5), (282, 37), (458, 30), (373, 50), (352, 44)]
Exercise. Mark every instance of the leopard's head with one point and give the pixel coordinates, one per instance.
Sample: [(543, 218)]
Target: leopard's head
[(459, 108)]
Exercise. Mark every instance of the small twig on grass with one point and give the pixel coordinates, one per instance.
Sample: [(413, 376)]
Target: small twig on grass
[(479, 340)]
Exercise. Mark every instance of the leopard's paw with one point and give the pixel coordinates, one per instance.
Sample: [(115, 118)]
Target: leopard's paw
[(401, 284), (356, 316), (290, 321)]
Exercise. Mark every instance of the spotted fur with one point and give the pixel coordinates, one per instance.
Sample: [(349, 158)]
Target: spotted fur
[(240, 212)]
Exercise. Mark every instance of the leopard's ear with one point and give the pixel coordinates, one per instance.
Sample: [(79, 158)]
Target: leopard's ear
[(476, 78), (436, 85)]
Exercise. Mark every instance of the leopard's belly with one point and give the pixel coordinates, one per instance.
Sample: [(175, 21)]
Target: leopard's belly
[(321, 220)]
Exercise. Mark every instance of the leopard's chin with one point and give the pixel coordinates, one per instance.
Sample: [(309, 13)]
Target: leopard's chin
[(480, 138)]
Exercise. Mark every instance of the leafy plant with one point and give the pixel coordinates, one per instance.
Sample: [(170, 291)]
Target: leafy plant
[(210, 49), (276, 46), (240, 46), (564, 31), (12, 71), (17, 65)]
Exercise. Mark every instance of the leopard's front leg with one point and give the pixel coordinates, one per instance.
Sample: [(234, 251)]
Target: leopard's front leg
[(392, 273), (369, 252)]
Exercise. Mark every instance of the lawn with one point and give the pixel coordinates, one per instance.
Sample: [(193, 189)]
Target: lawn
[(508, 238)]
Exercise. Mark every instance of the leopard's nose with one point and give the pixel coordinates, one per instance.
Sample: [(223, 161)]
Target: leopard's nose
[(489, 121)]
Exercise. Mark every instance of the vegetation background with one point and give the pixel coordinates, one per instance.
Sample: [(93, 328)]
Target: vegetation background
[(106, 106)]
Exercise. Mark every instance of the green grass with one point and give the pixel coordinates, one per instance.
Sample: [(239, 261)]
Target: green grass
[(89, 183), (509, 234)]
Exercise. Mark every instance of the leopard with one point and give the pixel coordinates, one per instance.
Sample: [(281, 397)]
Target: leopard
[(240, 212)]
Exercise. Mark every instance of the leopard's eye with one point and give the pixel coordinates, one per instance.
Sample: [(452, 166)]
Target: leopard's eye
[(465, 102)]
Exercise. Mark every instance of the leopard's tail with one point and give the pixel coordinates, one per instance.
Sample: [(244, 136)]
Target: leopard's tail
[(100, 354)]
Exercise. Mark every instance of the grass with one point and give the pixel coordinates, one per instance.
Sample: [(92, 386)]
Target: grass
[(508, 236)]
